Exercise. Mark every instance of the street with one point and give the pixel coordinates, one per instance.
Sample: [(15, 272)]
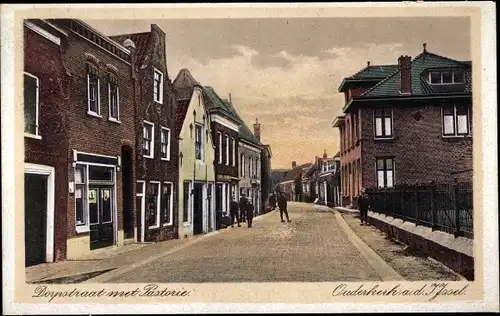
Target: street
[(312, 248)]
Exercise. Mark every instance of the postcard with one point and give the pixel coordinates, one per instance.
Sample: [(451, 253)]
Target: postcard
[(193, 158)]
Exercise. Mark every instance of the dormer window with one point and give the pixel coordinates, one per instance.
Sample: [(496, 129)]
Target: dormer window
[(446, 77)]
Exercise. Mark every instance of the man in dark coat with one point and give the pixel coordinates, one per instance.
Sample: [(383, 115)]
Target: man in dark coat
[(233, 210), (243, 208), (250, 210), (282, 204), (363, 205)]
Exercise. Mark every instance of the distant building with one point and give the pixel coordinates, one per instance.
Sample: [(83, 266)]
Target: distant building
[(406, 123), (276, 176), (291, 184)]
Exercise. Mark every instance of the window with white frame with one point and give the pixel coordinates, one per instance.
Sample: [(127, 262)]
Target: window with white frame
[(167, 203), (80, 194), (139, 196), (31, 104), (385, 172), (93, 94), (158, 86), (153, 206), (114, 99), (148, 139), (165, 143), (456, 120), (226, 139), (447, 77), (383, 122), (233, 141), (250, 166), (198, 144), (219, 145)]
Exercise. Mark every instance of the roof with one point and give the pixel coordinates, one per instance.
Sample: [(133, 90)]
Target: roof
[(214, 102), (370, 72), (296, 172), (390, 86), (180, 113), (141, 41)]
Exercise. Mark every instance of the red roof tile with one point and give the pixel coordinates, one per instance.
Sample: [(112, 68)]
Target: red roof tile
[(141, 41)]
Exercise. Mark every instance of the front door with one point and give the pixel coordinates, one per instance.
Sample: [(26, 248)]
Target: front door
[(198, 208), (35, 218), (101, 217)]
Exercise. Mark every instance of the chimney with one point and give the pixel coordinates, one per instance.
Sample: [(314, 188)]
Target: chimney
[(404, 67), (230, 101), (294, 164), (425, 47), (324, 154), (256, 129), (368, 64), (130, 45)]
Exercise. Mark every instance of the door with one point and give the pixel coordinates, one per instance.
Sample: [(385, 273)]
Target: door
[(198, 209), (218, 205), (209, 208), (35, 218), (101, 217)]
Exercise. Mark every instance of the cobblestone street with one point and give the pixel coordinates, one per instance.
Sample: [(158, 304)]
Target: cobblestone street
[(311, 248)]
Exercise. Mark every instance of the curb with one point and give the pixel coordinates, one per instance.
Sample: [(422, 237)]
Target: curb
[(122, 270), (385, 271)]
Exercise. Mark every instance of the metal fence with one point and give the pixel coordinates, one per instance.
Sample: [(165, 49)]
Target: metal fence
[(445, 207)]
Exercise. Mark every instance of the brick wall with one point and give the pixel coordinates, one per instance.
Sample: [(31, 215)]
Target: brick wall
[(421, 153), (222, 168), (161, 115), (42, 59), (93, 134)]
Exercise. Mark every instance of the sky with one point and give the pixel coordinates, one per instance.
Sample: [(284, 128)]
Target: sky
[(286, 72)]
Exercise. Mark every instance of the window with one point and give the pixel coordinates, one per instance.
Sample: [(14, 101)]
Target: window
[(148, 139), (80, 194), (242, 168), (165, 143), (139, 197), (167, 202), (219, 145), (447, 77), (456, 120), (154, 204), (198, 145), (93, 90), (114, 99), (158, 86), (233, 141), (31, 104), (187, 195), (226, 138), (383, 122), (385, 172)]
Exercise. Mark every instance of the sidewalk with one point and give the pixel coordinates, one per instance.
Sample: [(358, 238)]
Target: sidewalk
[(101, 261)]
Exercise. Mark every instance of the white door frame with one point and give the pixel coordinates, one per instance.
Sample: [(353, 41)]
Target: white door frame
[(46, 171)]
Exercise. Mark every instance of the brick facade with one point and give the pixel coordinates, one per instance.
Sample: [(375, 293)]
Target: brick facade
[(42, 59)]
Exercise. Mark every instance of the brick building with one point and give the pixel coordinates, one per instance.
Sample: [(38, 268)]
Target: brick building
[(225, 132), (265, 178), (45, 143), (406, 123), (156, 146), (84, 90)]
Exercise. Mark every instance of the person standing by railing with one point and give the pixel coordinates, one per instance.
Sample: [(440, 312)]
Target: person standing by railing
[(364, 205)]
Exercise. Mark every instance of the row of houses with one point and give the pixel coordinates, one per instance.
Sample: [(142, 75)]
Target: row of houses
[(407, 123), (116, 152), (317, 182)]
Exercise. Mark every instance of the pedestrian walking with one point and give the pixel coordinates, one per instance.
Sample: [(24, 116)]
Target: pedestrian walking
[(233, 209), (243, 208), (282, 204), (364, 205), (272, 201), (250, 209)]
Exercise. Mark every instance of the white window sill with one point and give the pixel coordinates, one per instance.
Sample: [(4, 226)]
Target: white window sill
[(149, 157), (94, 114), (154, 227), (457, 136), (114, 120), (165, 159), (383, 138), (158, 102), (27, 135), (82, 229), (167, 224)]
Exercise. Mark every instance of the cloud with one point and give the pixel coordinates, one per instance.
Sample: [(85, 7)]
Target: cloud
[(295, 104)]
